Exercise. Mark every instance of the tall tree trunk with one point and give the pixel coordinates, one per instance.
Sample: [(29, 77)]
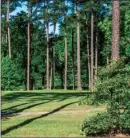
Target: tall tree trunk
[(8, 29), (89, 70), (66, 54), (51, 69), (96, 53), (47, 57), (73, 52), (46, 18), (73, 77), (28, 49), (53, 81), (115, 29), (92, 57), (78, 55)]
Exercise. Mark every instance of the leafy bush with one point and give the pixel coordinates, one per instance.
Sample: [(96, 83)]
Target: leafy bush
[(125, 119), (97, 125), (105, 123), (12, 75), (112, 85), (111, 81)]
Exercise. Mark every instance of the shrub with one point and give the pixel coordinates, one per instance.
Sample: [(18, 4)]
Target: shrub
[(125, 119), (97, 125), (112, 80), (112, 86), (12, 75)]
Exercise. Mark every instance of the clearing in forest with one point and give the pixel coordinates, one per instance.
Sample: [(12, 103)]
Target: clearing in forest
[(44, 113)]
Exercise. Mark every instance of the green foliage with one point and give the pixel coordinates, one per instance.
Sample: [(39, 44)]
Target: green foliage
[(63, 15), (112, 85), (12, 75), (128, 51), (125, 119), (112, 80), (105, 123), (106, 27), (97, 125)]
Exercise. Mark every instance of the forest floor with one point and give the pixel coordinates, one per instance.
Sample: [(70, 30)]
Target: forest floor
[(44, 113)]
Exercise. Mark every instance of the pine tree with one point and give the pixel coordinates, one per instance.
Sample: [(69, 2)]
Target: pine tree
[(79, 87), (92, 52), (8, 28), (28, 46), (115, 29), (46, 19)]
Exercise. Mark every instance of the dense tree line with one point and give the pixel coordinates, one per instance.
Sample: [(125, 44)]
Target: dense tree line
[(91, 34)]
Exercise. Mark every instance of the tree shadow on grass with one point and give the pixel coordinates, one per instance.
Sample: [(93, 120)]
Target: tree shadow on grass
[(12, 112), (33, 97), (12, 107), (35, 118)]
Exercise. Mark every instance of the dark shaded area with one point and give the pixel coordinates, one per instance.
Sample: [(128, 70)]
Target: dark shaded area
[(35, 118), (12, 107), (14, 111), (33, 98)]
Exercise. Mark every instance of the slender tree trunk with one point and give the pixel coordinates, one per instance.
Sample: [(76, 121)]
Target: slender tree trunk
[(92, 57), (89, 70), (73, 52), (66, 54), (47, 57), (73, 77), (8, 29), (96, 53), (115, 29), (79, 87), (78, 57), (28, 49), (51, 69), (53, 85)]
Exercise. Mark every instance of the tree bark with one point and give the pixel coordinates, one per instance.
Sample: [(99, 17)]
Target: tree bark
[(89, 71), (92, 57), (73, 77), (8, 29), (51, 69), (28, 48), (96, 53), (78, 55), (47, 47), (66, 54), (115, 30), (53, 81), (47, 57)]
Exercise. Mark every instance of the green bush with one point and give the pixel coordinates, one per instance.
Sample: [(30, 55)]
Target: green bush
[(125, 119), (12, 75), (112, 80), (97, 125), (112, 85)]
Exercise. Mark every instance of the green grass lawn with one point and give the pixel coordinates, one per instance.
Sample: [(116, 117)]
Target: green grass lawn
[(54, 123)]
